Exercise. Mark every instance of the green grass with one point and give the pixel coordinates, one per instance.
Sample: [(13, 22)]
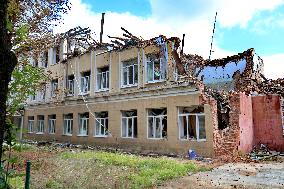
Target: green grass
[(147, 171)]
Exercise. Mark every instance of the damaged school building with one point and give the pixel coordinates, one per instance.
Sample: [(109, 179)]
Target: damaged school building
[(147, 95)]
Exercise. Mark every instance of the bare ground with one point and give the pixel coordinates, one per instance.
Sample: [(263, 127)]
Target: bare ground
[(234, 175)]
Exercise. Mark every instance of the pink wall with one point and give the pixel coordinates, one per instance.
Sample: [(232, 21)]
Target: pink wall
[(267, 121), (246, 124)]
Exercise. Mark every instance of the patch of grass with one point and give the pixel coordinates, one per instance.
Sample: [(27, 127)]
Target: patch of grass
[(16, 182), (147, 171), (53, 184), (23, 147)]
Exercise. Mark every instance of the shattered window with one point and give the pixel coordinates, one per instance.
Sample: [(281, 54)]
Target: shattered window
[(157, 123), (83, 124), (129, 124), (40, 124), (45, 59), (156, 69), (30, 124), (68, 124), (70, 85), (57, 54), (51, 124), (42, 93), (130, 73), (54, 87), (192, 123), (101, 126), (85, 82), (103, 78)]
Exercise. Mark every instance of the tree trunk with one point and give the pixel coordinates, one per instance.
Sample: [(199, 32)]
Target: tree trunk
[(8, 61)]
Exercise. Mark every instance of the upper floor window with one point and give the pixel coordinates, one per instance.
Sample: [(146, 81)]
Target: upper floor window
[(85, 82), (35, 61), (45, 59), (32, 97), (40, 124), (68, 124), (156, 69), (103, 78), (83, 124), (51, 124), (41, 93), (192, 123), (70, 85), (30, 124), (55, 54), (129, 73), (54, 87), (129, 124), (101, 125), (157, 123)]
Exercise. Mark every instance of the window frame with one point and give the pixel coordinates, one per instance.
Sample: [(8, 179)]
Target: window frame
[(54, 87), (99, 120), (31, 123), (99, 86), (68, 122), (126, 65), (153, 71), (70, 82), (127, 126), (51, 127), (83, 118), (197, 128), (40, 126), (85, 83), (161, 117)]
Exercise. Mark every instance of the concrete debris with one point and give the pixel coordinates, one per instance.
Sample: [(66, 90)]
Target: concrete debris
[(261, 152)]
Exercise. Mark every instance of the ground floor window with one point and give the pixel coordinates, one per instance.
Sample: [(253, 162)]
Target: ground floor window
[(51, 124), (83, 124), (157, 123), (192, 123), (40, 124), (129, 124), (101, 126), (30, 124), (68, 124)]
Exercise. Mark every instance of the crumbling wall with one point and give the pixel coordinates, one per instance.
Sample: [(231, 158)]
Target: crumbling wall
[(267, 121), (226, 141)]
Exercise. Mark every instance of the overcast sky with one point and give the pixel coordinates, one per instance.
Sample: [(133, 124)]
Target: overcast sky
[(241, 24)]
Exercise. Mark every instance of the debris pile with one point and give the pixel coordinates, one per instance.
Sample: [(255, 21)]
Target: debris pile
[(271, 87), (262, 152)]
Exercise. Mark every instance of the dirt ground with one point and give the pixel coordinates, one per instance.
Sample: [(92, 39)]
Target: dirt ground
[(234, 175)]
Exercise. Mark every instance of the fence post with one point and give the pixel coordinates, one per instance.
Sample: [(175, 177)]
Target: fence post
[(28, 175)]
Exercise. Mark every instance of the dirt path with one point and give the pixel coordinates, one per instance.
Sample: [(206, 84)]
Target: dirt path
[(235, 175)]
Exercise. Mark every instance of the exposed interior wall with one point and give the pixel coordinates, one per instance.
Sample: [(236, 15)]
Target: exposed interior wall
[(246, 124), (267, 121)]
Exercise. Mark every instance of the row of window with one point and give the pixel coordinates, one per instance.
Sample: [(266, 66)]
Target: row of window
[(156, 71), (191, 124)]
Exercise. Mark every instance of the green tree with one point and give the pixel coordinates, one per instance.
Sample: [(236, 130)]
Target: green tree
[(25, 27)]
